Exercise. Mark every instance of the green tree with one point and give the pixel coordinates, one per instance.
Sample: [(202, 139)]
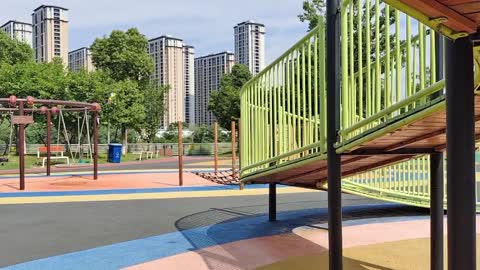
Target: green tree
[(203, 134), (127, 109), (154, 110), (13, 51), (123, 55), (224, 103), (312, 9)]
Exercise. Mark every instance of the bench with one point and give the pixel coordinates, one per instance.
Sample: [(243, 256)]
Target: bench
[(148, 154), (53, 149)]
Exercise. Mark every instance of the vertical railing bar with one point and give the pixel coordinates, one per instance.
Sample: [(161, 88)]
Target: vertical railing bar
[(388, 95), (378, 93), (398, 77), (344, 77), (360, 58), (310, 104), (433, 59), (298, 83), (409, 58), (316, 96), (369, 59), (304, 98), (352, 94)]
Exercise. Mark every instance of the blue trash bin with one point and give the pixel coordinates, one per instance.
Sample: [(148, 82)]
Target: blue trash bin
[(114, 152)]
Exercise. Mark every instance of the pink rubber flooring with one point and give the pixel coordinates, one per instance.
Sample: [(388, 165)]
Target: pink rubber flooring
[(108, 181), (253, 253)]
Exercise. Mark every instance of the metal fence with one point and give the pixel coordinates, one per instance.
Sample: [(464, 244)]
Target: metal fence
[(189, 149)]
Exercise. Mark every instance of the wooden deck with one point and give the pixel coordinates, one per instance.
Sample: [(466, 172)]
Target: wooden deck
[(460, 15), (416, 137)]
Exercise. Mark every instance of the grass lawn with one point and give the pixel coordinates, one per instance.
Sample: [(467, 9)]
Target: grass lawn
[(31, 161)]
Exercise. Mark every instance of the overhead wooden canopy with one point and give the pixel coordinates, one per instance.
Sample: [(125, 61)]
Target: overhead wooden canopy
[(453, 18)]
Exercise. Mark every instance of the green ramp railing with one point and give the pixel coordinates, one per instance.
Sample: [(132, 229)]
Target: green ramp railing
[(388, 68), (406, 182), (283, 108)]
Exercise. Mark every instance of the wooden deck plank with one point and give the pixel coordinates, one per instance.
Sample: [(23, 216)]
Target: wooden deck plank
[(426, 133)]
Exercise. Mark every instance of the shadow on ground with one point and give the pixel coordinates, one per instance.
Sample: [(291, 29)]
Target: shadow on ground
[(236, 224)]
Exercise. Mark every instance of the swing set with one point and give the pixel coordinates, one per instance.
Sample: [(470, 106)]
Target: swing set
[(21, 111)]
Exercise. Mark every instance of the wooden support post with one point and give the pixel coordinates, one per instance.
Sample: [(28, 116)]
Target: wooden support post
[(180, 153), (234, 158), (215, 147), (242, 186), (49, 141), (96, 122), (21, 146)]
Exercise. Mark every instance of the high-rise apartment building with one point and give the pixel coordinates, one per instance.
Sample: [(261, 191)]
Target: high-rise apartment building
[(168, 54), (209, 71), (250, 45), (50, 33), (189, 83), (19, 30), (80, 59)]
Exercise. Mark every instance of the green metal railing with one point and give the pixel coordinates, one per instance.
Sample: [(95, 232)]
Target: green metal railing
[(283, 107), (388, 78), (387, 69), (406, 182)]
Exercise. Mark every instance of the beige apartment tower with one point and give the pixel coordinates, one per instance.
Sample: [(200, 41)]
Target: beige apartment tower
[(189, 83), (20, 31), (209, 71), (50, 33), (80, 59), (250, 45), (168, 54)]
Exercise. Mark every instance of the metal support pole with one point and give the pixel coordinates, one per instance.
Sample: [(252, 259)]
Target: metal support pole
[(21, 147), (272, 202), (234, 158), (460, 151), (215, 147), (436, 211), (333, 125), (96, 123), (180, 153), (49, 141)]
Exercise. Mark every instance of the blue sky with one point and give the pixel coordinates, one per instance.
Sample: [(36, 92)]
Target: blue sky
[(205, 24)]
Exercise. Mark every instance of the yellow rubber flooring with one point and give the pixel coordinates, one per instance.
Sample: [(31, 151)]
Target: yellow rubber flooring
[(402, 255)]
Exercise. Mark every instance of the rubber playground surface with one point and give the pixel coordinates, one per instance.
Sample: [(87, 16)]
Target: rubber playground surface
[(143, 220)]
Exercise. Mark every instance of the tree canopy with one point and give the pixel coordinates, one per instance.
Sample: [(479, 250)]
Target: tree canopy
[(224, 103), (312, 9), (123, 55), (13, 51)]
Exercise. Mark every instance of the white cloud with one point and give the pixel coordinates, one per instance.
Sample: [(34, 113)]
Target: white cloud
[(207, 25)]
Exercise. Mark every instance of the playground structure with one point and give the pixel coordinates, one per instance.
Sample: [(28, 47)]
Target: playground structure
[(368, 102), (22, 112)]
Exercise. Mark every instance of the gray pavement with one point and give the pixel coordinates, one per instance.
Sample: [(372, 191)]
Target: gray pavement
[(33, 231)]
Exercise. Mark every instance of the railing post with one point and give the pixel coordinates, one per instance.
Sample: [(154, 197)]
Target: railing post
[(333, 125), (436, 211), (460, 151)]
